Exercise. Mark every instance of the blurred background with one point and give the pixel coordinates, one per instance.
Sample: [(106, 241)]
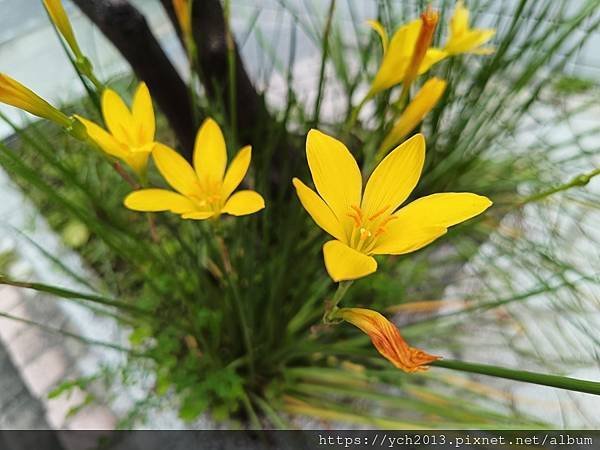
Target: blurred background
[(33, 362)]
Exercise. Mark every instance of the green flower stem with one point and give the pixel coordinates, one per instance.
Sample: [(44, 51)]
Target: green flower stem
[(332, 306), (578, 181), (254, 420), (194, 67), (402, 101), (270, 413), (354, 114), (571, 384), (231, 66), (229, 276), (85, 68), (73, 295), (325, 55), (75, 336)]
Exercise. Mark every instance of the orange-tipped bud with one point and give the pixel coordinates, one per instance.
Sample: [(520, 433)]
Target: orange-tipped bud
[(387, 339), (429, 20)]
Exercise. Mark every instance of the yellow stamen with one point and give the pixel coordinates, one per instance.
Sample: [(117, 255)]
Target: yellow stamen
[(378, 213)]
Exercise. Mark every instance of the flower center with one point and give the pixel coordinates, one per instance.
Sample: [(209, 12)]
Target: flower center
[(208, 195), (367, 229)]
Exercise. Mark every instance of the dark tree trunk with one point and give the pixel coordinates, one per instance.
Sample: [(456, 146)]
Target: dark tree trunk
[(210, 36), (128, 30)]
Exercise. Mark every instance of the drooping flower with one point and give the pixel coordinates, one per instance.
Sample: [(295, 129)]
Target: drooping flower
[(204, 191), (408, 52), (15, 94), (59, 17), (422, 103), (130, 135), (464, 39), (387, 339), (369, 223)]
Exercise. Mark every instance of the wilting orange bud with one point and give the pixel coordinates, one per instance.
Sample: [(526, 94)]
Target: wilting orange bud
[(183, 12), (429, 20), (15, 94), (387, 339)]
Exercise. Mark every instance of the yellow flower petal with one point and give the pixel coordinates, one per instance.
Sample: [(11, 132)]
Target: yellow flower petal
[(470, 42), (399, 240), (158, 200), (345, 263), (335, 173), (484, 50), (117, 116), (244, 202), (138, 161), (464, 39), (143, 114), (236, 171), (395, 177), (387, 339), (378, 28), (198, 215), (459, 22), (443, 209), (210, 152), (175, 169), (397, 58), (423, 102), (319, 211), (432, 56), (103, 139)]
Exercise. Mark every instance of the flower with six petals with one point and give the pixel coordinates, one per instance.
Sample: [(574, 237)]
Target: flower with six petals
[(130, 135), (205, 190), (369, 223), (387, 339), (463, 38)]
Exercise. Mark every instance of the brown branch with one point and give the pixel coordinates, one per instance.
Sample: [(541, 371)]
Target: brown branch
[(129, 32), (210, 36)]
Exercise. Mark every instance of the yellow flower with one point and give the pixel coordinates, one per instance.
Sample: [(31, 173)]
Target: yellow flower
[(398, 54), (423, 102), (130, 135), (61, 21), (204, 191), (15, 94), (368, 223), (182, 11), (387, 339), (464, 39)]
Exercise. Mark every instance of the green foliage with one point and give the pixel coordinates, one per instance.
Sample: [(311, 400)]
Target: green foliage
[(573, 85), (229, 320)]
